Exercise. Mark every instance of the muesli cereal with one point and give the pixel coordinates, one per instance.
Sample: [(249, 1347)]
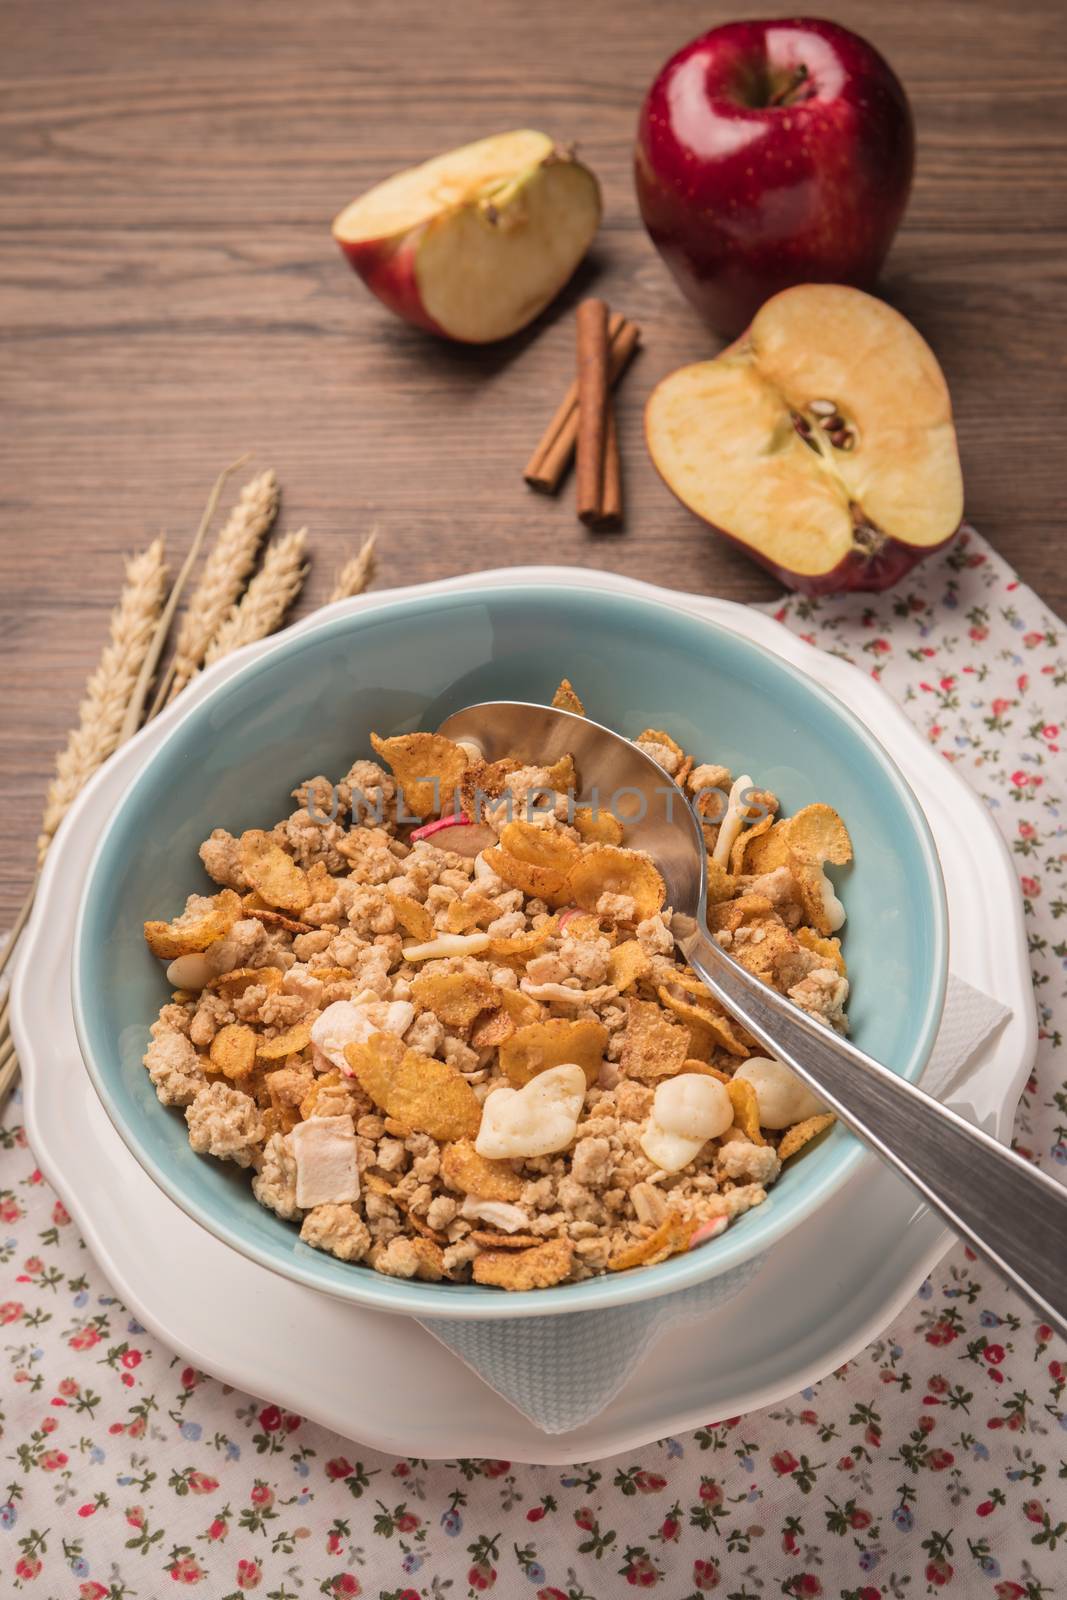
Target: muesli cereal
[(464, 1047)]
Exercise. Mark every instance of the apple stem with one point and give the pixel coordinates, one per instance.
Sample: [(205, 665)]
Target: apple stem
[(787, 95)]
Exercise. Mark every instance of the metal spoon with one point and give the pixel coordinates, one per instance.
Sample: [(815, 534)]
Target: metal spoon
[(1012, 1214)]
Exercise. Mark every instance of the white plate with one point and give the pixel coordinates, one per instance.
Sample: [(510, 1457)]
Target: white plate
[(384, 1380)]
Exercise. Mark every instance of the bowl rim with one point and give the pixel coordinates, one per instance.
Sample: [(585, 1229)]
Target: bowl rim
[(410, 1297)]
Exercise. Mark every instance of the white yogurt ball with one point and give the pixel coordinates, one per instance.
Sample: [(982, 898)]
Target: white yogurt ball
[(783, 1098), (687, 1111)]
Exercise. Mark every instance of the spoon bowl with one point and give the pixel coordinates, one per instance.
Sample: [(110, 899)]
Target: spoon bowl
[(615, 775)]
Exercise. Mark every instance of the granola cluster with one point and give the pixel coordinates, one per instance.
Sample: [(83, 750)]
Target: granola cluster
[(468, 1050)]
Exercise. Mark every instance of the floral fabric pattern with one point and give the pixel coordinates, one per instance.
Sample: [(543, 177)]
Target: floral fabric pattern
[(934, 1461)]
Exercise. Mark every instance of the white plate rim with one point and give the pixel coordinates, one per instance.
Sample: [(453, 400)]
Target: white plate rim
[(545, 1450)]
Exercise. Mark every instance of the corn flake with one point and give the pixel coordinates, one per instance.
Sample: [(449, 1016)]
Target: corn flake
[(421, 1094), (516, 949), (670, 1238), (829, 949), (540, 846), (326, 1080), (539, 1268), (279, 1119), (597, 826), (320, 881), (414, 918), (427, 767), (429, 1255), (744, 842), (730, 915), (653, 1046), (484, 780), (561, 775), (817, 834), (626, 963), (464, 915), (539, 1045), (657, 736), (289, 1043), (746, 1109), (488, 1240), (811, 883), (192, 932), (721, 885), (514, 1011), (769, 850), (274, 875), (565, 699), (456, 998), (234, 983), (802, 1133), (233, 1050), (541, 883), (277, 919), (492, 1029), (707, 1069), (462, 1168), (707, 1028), (606, 869)]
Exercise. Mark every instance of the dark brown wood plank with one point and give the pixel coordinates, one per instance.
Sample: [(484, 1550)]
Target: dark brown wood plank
[(170, 296)]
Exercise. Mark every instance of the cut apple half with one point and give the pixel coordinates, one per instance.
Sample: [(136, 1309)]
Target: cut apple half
[(475, 243), (822, 441)]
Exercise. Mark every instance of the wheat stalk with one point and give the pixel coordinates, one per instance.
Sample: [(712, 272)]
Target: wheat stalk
[(108, 692), (358, 573), (267, 598), (231, 560)]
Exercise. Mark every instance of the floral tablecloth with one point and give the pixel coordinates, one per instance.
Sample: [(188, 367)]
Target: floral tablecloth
[(937, 1460)]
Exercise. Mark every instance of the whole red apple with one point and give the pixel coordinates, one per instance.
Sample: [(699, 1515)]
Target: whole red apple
[(772, 153)]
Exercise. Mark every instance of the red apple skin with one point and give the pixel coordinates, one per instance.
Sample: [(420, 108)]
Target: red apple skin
[(742, 197), (857, 573), (387, 267), (860, 571)]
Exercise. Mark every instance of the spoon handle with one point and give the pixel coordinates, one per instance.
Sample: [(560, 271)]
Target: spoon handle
[(1011, 1213)]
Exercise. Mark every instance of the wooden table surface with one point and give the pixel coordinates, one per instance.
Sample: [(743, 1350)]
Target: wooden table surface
[(170, 296)]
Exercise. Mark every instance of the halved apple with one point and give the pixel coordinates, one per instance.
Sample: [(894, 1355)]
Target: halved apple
[(822, 441), (475, 243)]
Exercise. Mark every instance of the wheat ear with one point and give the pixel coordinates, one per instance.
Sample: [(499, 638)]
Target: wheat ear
[(107, 694), (232, 558), (267, 598), (358, 573)]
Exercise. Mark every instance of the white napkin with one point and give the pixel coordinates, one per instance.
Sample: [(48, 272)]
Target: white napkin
[(561, 1371)]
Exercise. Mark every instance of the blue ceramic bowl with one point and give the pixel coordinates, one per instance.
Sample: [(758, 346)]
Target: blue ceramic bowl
[(308, 705)]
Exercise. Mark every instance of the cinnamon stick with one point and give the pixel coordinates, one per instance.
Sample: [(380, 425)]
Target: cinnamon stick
[(547, 466), (592, 405), (611, 494)]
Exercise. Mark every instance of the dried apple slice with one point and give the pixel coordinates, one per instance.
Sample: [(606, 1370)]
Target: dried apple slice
[(475, 243), (821, 442)]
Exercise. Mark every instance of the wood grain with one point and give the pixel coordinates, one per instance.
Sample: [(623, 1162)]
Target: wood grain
[(170, 296)]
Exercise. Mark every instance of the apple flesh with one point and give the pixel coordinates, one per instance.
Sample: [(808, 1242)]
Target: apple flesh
[(475, 243), (770, 154), (821, 442)]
